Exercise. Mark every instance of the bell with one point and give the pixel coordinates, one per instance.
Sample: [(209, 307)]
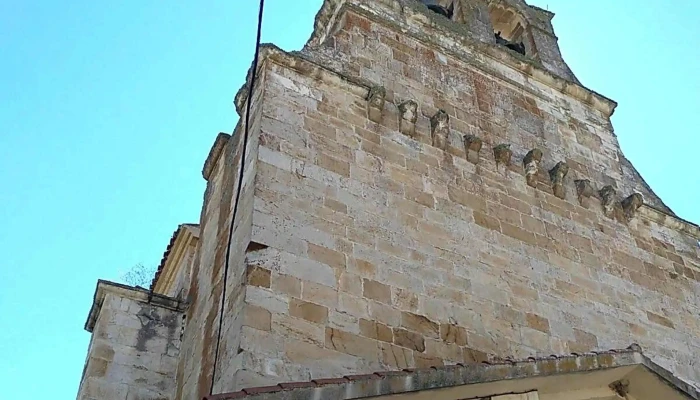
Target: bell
[(438, 9)]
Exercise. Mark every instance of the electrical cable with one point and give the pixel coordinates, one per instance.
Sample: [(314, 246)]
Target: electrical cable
[(238, 191)]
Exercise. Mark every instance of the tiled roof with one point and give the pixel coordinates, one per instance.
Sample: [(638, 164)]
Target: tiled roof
[(195, 230), (411, 380)]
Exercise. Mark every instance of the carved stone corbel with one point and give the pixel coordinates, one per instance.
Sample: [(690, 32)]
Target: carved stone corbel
[(408, 115), (472, 147), (631, 204), (557, 175), (607, 197), (440, 129), (375, 103), (585, 191), (531, 163), (502, 153)]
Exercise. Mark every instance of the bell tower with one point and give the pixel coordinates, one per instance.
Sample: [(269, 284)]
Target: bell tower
[(427, 183)]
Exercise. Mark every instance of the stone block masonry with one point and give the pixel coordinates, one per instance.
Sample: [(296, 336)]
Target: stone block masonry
[(135, 345), (378, 250), (414, 194)]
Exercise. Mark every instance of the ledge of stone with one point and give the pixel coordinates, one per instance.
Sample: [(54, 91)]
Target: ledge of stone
[(305, 65), (670, 221), (134, 293), (606, 366), (214, 153)]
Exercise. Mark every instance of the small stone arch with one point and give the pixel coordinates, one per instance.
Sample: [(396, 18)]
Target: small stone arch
[(511, 28)]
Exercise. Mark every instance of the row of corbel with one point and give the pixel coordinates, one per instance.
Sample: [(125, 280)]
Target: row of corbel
[(623, 210)]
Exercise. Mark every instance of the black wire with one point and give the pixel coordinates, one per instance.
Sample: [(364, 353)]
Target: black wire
[(238, 191)]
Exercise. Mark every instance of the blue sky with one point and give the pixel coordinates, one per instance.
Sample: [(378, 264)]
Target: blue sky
[(109, 109)]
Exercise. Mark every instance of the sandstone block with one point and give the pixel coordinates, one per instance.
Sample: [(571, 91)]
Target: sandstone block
[(327, 256), (258, 276), (486, 221), (427, 361), (353, 305), (308, 311), (303, 353), (309, 269), (319, 294), (444, 351), (386, 314), (351, 284), (453, 334), (420, 324), (396, 357), (286, 284), (343, 321), (658, 319), (333, 164), (376, 291), (266, 299), (297, 328), (257, 317), (404, 300), (376, 330), (349, 343), (409, 340), (474, 356)]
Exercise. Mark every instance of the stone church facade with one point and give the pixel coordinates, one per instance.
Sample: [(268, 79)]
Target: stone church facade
[(419, 193)]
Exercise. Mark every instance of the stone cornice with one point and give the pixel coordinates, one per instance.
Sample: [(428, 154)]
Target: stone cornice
[(214, 153), (620, 372), (137, 294), (673, 222), (304, 65)]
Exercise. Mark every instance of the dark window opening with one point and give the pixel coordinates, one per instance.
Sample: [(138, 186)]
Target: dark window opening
[(435, 7), (517, 47), (509, 28)]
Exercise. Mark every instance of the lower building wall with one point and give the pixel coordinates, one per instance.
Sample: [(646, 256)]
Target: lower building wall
[(133, 353)]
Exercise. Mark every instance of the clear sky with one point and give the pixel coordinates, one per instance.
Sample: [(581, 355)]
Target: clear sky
[(108, 110)]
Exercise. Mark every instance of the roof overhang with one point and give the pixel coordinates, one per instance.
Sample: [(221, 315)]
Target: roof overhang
[(184, 236), (625, 374)]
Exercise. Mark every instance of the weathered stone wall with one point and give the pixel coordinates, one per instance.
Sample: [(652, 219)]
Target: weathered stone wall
[(196, 366), (133, 352), (385, 251)]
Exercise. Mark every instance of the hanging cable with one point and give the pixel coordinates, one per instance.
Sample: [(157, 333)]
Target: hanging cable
[(254, 69)]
